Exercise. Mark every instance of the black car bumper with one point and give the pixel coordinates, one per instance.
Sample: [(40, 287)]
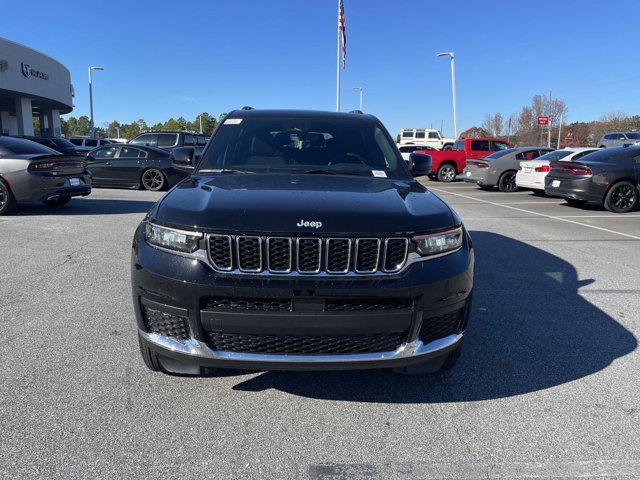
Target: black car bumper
[(188, 313), (581, 188)]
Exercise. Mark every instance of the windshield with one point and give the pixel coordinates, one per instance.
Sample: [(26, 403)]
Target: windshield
[(61, 142), (557, 155), (634, 135), (305, 145), (20, 146), (500, 153)]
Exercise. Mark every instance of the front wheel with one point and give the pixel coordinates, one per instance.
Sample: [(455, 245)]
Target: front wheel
[(621, 198), (58, 202), (447, 173), (7, 200), (153, 180), (507, 182)]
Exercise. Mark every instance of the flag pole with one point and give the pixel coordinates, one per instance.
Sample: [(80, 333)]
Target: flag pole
[(338, 63)]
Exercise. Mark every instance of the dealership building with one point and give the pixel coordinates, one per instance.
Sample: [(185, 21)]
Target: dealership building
[(32, 84)]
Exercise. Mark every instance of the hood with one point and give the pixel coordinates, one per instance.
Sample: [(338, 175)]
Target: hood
[(287, 203)]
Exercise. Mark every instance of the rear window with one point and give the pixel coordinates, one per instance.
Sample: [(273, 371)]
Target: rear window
[(557, 155), (20, 146), (480, 145), (499, 154), (634, 135), (61, 142)]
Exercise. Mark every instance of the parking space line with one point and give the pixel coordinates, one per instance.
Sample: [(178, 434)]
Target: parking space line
[(554, 217)]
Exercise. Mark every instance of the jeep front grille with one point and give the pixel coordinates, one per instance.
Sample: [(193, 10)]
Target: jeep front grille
[(307, 255)]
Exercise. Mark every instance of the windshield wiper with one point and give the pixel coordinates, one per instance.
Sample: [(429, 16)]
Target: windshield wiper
[(223, 170), (329, 172)]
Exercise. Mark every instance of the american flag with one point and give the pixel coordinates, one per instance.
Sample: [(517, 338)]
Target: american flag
[(343, 34)]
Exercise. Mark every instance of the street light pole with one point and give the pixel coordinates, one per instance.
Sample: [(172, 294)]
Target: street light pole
[(91, 129), (453, 89), (360, 90)]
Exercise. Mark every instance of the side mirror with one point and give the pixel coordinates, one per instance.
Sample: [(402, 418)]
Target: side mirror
[(183, 157), (421, 164)]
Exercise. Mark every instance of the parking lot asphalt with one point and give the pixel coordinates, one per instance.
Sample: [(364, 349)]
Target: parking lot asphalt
[(548, 385)]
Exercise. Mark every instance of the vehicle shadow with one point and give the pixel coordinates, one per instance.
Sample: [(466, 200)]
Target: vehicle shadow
[(529, 330), (85, 206)]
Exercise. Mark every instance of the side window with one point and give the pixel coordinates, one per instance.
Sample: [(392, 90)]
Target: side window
[(90, 142), (434, 135), (496, 146), (145, 139), (106, 152), (201, 140), (167, 139), (459, 145), (480, 145), (76, 141), (419, 134), (188, 140), (130, 152)]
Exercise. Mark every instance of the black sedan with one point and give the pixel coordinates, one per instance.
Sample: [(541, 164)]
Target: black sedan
[(122, 165), (609, 177)]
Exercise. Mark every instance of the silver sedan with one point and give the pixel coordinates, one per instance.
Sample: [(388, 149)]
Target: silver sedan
[(500, 168), (32, 172)]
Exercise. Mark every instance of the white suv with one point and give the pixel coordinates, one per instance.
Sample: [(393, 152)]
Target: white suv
[(619, 139), (424, 136)]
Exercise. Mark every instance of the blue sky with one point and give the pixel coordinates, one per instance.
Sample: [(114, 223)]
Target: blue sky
[(169, 58)]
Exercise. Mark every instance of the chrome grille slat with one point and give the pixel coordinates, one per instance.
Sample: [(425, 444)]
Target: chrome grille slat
[(309, 255), (282, 255), (367, 255)]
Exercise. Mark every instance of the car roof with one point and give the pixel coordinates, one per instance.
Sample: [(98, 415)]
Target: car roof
[(304, 114), (578, 149)]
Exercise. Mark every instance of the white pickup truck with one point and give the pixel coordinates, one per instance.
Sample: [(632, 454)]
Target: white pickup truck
[(424, 136)]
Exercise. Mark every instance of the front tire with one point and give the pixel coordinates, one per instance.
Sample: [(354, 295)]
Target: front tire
[(149, 356), (621, 198), (58, 202), (507, 182), (433, 366), (7, 200), (153, 180), (447, 173)]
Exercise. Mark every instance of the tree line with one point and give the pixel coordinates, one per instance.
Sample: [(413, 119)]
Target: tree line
[(522, 128), (81, 126)]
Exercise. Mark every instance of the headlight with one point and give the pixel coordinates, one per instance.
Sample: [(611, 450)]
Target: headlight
[(440, 242), (171, 238)]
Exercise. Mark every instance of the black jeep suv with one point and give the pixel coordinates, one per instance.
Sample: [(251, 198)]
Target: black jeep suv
[(300, 241)]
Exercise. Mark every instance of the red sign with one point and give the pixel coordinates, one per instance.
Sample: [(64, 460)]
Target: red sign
[(543, 120)]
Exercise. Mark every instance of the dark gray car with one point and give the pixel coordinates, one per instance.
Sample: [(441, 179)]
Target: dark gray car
[(500, 168), (32, 172)]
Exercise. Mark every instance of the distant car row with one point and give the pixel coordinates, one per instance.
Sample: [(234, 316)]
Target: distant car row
[(31, 171), (609, 177)]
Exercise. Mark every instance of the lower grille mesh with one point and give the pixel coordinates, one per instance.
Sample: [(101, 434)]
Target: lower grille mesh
[(438, 327), (166, 324), (305, 344), (252, 304)]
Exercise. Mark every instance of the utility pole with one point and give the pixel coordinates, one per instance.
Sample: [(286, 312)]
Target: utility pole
[(509, 131), (200, 120), (91, 129), (441, 126), (559, 132), (549, 126), (453, 89), (360, 90), (338, 64)]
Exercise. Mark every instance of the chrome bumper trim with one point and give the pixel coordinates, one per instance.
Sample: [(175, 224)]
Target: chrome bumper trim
[(198, 349)]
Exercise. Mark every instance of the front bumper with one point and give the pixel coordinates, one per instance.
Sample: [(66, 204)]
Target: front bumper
[(179, 286)]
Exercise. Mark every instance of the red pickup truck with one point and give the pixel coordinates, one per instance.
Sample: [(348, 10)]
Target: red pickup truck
[(447, 164)]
